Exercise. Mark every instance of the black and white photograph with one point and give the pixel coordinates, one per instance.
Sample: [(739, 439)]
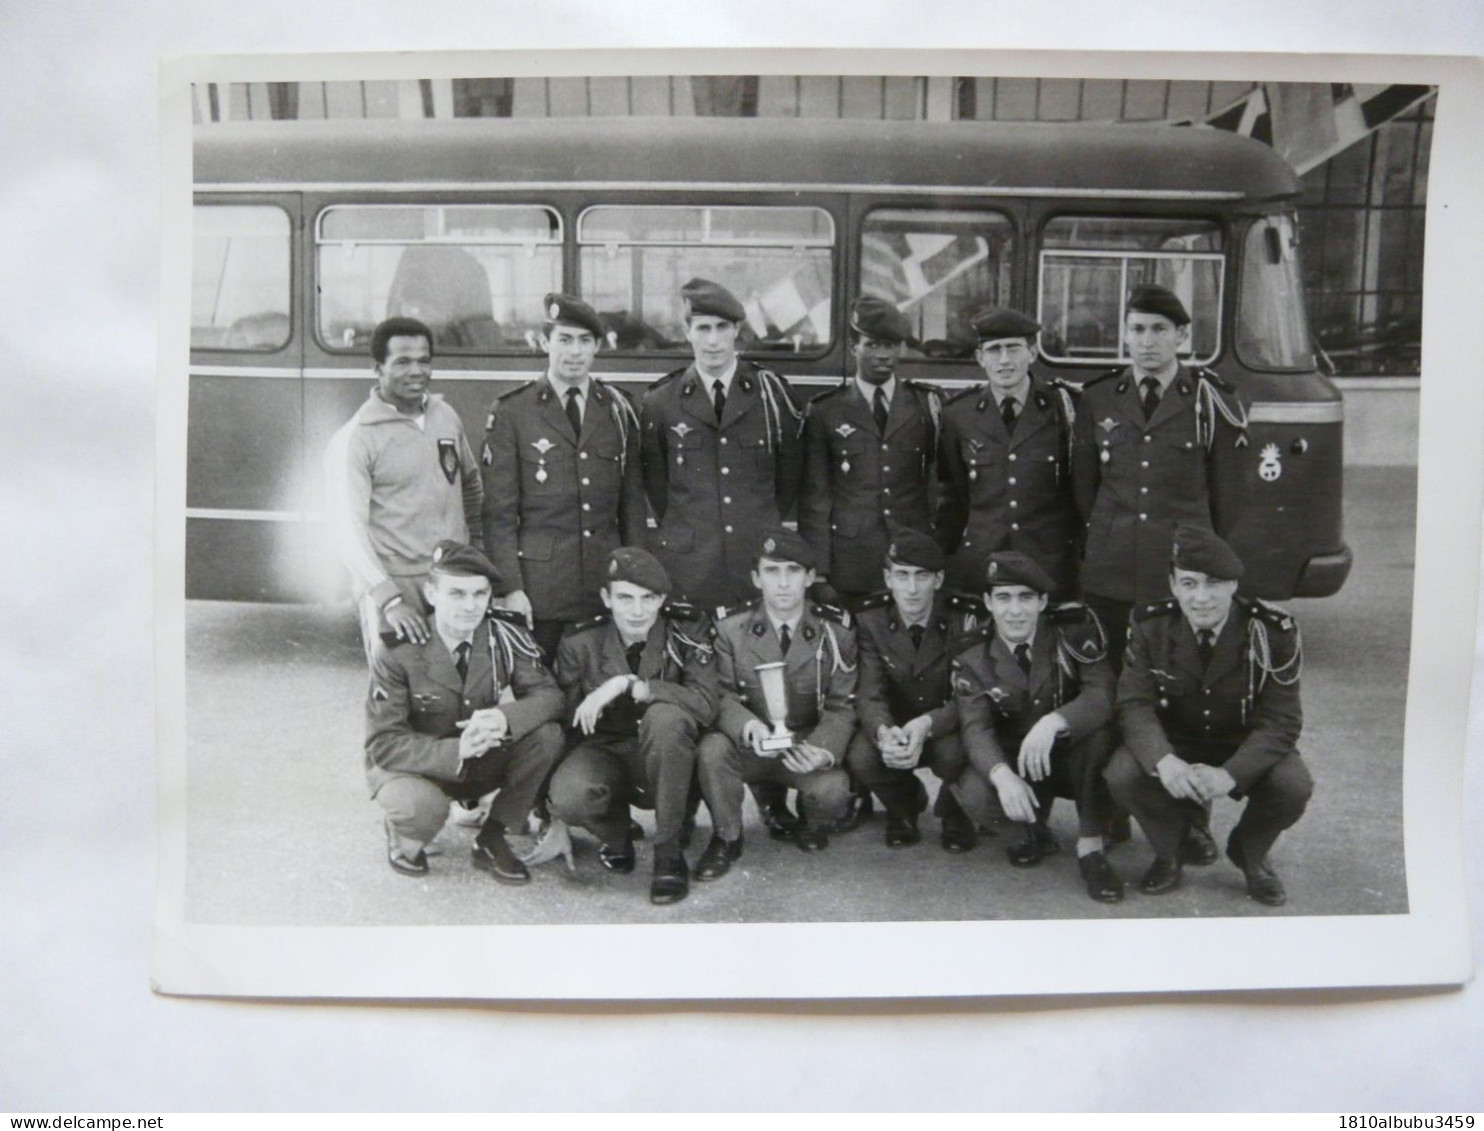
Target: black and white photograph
[(758, 499)]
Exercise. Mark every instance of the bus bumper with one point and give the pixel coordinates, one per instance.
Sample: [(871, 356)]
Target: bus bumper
[(1323, 576)]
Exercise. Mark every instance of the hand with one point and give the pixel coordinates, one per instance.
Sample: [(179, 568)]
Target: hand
[(1179, 779), (803, 758), (1016, 798), (1035, 749), (482, 730), (909, 752), (518, 602), (1213, 781), (753, 733), (406, 622), (585, 718)]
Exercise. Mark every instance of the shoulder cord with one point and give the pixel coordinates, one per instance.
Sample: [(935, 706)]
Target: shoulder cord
[(1069, 416), (512, 642), (623, 415), (1208, 403), (673, 652), (837, 663), (771, 409)]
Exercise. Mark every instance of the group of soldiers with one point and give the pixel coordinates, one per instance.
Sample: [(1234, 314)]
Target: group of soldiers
[(1023, 588)]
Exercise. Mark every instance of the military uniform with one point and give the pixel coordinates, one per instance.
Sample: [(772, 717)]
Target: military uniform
[(820, 681), (416, 701), (556, 503), (640, 753), (999, 702), (1006, 490), (859, 482), (716, 486), (1240, 712)]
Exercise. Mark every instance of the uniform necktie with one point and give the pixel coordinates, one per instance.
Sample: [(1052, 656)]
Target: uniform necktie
[(1007, 413), (878, 410), (461, 661), (915, 631), (784, 639), (1205, 642), (1023, 657), (574, 412), (719, 398), (1151, 396), (633, 653)]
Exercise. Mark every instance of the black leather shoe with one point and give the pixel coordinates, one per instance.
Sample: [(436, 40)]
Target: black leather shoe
[(618, 858), (671, 882), (812, 840), (718, 858), (901, 832), (958, 835), (1199, 848), (1038, 844), (1164, 875), (492, 854), (858, 809), (778, 820), (1263, 883), (407, 865), (1101, 880)]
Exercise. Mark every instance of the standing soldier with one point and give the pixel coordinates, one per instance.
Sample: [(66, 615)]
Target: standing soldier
[(905, 705), (818, 654), (870, 457), (1005, 453), (1035, 700), (562, 485), (1154, 445), (722, 455), (641, 687)]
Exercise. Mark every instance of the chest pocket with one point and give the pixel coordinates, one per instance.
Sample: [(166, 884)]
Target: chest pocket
[(685, 450), (598, 464), (427, 704)]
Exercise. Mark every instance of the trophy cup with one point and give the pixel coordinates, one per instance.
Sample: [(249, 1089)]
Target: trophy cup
[(776, 698)]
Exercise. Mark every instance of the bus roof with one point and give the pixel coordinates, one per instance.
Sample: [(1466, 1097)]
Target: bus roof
[(761, 153)]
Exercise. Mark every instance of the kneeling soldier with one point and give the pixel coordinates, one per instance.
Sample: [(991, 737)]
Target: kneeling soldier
[(1209, 706), (817, 655), (469, 710), (1035, 701), (905, 706), (641, 686)]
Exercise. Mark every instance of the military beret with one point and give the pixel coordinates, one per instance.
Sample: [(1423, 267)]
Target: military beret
[(1000, 322), (638, 567), (1202, 551), (702, 296), (876, 318), (914, 548), (1011, 567), (464, 561), (571, 311), (784, 545), (1152, 299)]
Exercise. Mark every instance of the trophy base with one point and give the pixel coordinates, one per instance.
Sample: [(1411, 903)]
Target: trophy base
[(776, 743)]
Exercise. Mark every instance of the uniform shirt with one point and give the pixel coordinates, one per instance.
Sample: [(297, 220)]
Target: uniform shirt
[(1008, 491), (395, 488), (858, 483), (556, 504), (1242, 711), (1135, 480), (899, 682), (998, 702), (716, 487), (417, 699)]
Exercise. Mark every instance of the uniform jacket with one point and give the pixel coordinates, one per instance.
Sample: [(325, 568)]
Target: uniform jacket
[(820, 677), (557, 504), (859, 483), (1135, 481), (1008, 492), (417, 699), (998, 703), (717, 487), (394, 491), (1242, 712), (898, 682), (678, 663)]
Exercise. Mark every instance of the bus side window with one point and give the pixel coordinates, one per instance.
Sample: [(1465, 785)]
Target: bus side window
[(240, 278)]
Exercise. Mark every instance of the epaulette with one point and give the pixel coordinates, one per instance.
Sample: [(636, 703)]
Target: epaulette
[(517, 390), (1101, 377), (668, 377), (1280, 619), (923, 387), (509, 616), (832, 391), (683, 611), (1157, 609), (962, 393), (1216, 379), (584, 625), (831, 612), (1069, 612), (966, 604), (1063, 385), (879, 600), (1081, 632), (725, 612), (967, 639)]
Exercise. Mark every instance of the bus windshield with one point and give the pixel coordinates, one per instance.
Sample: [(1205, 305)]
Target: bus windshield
[(1272, 332)]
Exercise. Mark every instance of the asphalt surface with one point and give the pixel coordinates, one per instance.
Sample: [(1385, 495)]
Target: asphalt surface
[(280, 829)]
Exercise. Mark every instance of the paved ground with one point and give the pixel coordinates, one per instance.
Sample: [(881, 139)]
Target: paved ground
[(281, 831)]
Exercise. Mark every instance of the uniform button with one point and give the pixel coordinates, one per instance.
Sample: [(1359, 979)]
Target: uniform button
[(885, 468), (884, 448), (1143, 490), (726, 498), (723, 439), (728, 529), (1013, 526), (1145, 463), (1013, 503), (726, 471), (587, 482), (1012, 480), (587, 506), (1205, 712), (587, 533), (885, 513), (1143, 518), (1148, 439), (886, 490), (1012, 457), (582, 455)]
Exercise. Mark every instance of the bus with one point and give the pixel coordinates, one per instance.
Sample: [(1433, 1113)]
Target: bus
[(306, 234)]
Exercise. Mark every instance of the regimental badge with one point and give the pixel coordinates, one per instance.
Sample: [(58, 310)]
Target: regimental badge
[(845, 430), (1108, 424), (769, 546), (1269, 465), (554, 311), (448, 459)]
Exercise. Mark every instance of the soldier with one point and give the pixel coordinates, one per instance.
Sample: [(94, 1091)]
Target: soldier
[(905, 705), (1005, 450), (722, 455), (1035, 699), (467, 711), (641, 687), (562, 484), (1154, 445), (400, 477), (818, 653), (1209, 706), (870, 458)]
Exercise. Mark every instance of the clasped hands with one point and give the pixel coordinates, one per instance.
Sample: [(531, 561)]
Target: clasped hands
[(800, 758), (1193, 781)]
